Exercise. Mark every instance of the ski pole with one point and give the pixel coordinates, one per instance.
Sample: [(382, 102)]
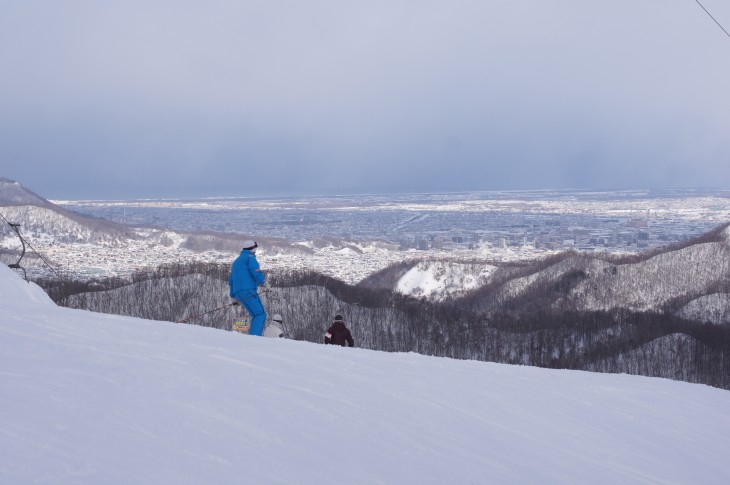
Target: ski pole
[(234, 303), (186, 320)]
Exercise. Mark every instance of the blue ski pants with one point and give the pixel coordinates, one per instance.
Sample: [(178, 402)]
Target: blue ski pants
[(254, 307)]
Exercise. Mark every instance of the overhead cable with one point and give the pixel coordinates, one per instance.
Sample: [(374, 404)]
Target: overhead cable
[(713, 18), (16, 228)]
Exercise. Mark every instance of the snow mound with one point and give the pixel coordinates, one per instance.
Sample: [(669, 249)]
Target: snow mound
[(438, 280), (15, 292), (90, 398)]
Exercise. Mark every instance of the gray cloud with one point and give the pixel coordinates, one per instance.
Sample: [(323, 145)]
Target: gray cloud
[(155, 98)]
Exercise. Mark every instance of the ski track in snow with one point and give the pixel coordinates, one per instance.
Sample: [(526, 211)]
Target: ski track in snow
[(90, 398)]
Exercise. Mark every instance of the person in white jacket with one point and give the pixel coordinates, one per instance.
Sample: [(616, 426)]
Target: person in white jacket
[(273, 329)]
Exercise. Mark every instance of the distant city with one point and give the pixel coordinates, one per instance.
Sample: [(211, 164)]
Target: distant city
[(622, 221)]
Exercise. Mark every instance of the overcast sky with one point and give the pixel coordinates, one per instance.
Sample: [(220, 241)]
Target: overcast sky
[(153, 98)]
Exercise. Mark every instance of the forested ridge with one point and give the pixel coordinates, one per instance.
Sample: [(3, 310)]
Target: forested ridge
[(528, 315)]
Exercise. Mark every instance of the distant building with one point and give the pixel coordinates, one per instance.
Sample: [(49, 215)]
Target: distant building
[(638, 223)]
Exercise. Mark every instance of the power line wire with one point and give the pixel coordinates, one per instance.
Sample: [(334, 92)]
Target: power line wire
[(25, 241), (713, 18)]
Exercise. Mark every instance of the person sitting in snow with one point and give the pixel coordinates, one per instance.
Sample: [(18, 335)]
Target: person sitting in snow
[(338, 333), (273, 329), (246, 276)]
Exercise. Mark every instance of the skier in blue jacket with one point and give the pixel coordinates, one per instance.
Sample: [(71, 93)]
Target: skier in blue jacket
[(246, 277)]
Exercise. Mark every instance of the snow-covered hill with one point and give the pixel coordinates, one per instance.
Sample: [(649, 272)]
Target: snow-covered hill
[(662, 282), (650, 284), (582, 281), (14, 193), (439, 280), (82, 247), (90, 398), (714, 308), (49, 225)]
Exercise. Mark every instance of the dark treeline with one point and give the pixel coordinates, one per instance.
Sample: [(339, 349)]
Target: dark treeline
[(529, 330)]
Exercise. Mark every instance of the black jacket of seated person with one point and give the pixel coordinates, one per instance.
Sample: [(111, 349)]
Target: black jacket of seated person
[(338, 333)]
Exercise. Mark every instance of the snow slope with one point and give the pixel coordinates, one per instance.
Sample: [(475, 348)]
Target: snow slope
[(12, 192), (90, 398), (438, 280)]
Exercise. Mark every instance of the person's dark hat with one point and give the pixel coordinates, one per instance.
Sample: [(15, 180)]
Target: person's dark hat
[(338, 318)]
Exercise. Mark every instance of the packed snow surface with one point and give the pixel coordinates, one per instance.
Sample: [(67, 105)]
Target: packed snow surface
[(90, 398)]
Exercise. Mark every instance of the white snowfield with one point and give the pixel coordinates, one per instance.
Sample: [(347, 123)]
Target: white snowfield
[(89, 399), (437, 280)]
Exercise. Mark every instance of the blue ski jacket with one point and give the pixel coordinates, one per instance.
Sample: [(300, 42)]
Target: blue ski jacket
[(245, 273)]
